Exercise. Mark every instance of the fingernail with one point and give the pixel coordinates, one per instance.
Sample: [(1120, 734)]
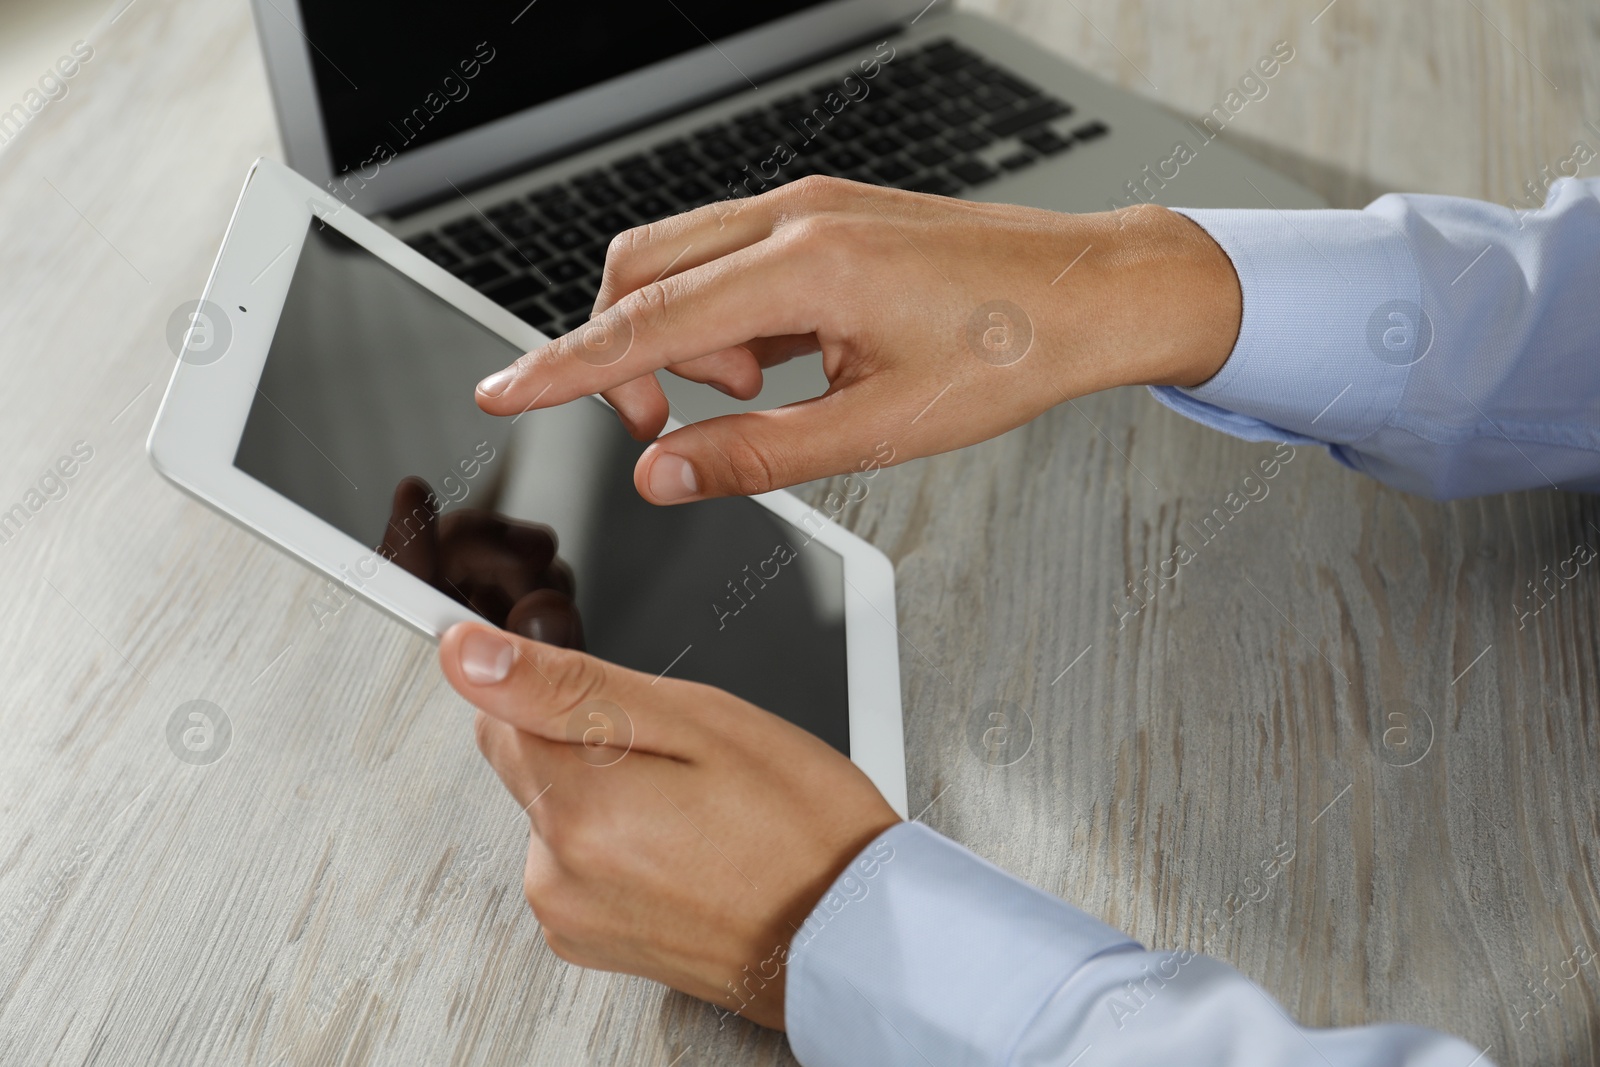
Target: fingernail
[(672, 478), (496, 383), (723, 389), (485, 657)]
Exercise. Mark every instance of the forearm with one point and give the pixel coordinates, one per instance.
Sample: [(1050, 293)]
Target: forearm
[(944, 959)]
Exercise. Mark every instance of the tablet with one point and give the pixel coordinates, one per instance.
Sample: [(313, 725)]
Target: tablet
[(323, 399)]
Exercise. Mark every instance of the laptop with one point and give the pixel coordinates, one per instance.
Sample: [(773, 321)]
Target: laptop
[(510, 141)]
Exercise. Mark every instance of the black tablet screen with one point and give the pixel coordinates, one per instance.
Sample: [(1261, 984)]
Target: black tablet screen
[(365, 417)]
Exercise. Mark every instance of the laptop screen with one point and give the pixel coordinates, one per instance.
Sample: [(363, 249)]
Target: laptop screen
[(409, 73)]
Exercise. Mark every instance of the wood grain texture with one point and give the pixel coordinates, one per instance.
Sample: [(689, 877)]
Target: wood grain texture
[(343, 887)]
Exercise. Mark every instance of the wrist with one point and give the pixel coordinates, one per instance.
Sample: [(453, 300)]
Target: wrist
[(1182, 293)]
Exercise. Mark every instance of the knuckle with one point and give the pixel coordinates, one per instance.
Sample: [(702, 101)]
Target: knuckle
[(538, 889), (818, 188), (564, 910), (581, 844), (830, 245), (809, 234), (750, 467), (652, 306), (576, 676), (483, 731), (628, 242), (621, 251), (563, 948)]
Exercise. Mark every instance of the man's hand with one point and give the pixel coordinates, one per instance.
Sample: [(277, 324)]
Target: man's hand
[(678, 832), (941, 323)]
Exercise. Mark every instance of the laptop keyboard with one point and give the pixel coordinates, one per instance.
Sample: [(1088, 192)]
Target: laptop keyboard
[(939, 119)]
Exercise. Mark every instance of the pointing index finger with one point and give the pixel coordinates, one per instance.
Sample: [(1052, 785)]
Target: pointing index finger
[(748, 294)]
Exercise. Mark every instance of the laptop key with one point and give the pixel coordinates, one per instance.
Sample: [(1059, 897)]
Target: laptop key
[(651, 206), (844, 158), (612, 222), (974, 172), (602, 193), (1018, 160), (885, 144), (532, 249), (435, 250), (937, 184), (1027, 119), (571, 299), (893, 170), (760, 138), (931, 155), (513, 290), (567, 238), (1046, 142), (946, 61), (692, 189), (720, 149), (844, 130), (955, 114), (465, 225), (509, 210), (683, 165), (482, 272), (643, 179), (1090, 131), (970, 140), (564, 270), (549, 194), (536, 315), (478, 242), (561, 212), (523, 226), (991, 103)]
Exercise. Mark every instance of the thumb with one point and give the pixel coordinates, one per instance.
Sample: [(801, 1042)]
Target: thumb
[(840, 432), (561, 694)]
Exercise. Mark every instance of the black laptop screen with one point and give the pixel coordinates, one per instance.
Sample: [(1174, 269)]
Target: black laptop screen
[(397, 76)]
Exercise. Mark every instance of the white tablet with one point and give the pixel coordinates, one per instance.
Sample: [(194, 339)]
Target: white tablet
[(324, 401)]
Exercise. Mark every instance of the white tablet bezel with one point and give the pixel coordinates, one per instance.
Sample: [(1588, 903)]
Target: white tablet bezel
[(202, 416)]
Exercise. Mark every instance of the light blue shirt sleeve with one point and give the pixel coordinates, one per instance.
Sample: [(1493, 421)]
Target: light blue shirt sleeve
[(1446, 346), (922, 954)]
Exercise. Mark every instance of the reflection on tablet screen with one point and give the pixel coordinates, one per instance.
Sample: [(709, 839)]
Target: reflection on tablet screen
[(365, 417)]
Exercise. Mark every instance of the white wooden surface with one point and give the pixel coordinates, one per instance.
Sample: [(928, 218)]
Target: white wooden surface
[(343, 885)]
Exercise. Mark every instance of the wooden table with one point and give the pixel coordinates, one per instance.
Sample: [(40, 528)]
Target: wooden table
[(1342, 675)]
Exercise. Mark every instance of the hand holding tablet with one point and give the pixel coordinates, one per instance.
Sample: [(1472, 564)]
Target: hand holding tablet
[(685, 839)]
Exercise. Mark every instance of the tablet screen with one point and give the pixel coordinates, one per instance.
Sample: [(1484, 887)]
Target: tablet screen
[(365, 417)]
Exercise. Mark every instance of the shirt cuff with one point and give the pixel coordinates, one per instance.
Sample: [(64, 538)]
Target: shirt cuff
[(922, 952), (1331, 324)]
